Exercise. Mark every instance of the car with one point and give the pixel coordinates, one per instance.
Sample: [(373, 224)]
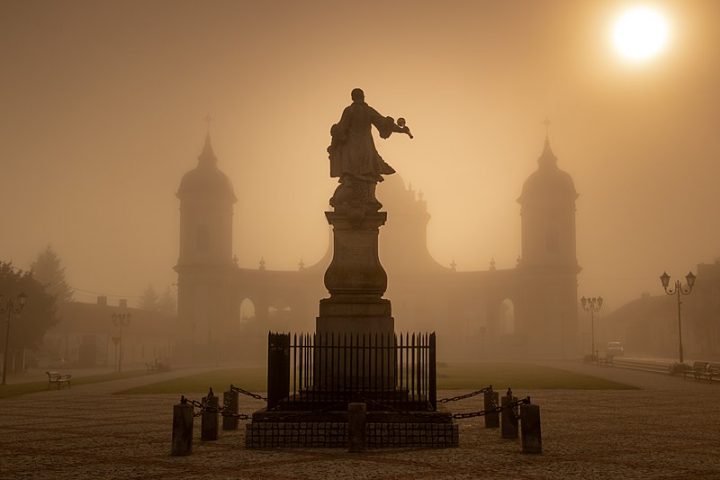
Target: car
[(614, 349)]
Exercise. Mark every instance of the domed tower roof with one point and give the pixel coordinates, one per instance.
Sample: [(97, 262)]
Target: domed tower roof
[(206, 179), (548, 179)]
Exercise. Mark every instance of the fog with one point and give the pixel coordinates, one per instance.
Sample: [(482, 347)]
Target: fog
[(104, 107)]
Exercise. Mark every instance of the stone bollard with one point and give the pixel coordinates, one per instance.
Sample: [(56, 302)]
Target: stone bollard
[(230, 404), (490, 401), (182, 432), (209, 423), (530, 428), (356, 427), (509, 416)]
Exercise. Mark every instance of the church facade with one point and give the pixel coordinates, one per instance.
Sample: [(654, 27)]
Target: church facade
[(529, 310)]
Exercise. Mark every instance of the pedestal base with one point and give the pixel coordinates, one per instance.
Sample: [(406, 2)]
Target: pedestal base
[(355, 316), (383, 429)]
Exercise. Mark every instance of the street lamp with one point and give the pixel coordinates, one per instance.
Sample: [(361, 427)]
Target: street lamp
[(10, 307), (120, 320), (592, 305), (679, 290)]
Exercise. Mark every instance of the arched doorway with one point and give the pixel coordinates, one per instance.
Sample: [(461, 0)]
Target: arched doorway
[(507, 317), (247, 311)]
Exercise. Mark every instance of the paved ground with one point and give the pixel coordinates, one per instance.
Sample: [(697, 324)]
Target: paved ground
[(668, 430)]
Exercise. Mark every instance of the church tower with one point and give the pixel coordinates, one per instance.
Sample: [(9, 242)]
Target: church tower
[(205, 263), (546, 314)]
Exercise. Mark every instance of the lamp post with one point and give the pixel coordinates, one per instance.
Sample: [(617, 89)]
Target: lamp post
[(120, 320), (679, 290), (10, 307), (592, 305)]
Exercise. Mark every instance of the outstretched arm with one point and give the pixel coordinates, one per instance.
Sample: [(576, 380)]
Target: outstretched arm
[(387, 126)]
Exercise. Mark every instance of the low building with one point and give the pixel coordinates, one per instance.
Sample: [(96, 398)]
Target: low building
[(648, 326), (93, 335)]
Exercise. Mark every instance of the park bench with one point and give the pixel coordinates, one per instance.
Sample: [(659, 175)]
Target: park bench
[(702, 370), (157, 366), (714, 370), (58, 379)]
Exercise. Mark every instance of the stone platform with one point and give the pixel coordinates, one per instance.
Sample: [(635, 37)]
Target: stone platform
[(330, 430)]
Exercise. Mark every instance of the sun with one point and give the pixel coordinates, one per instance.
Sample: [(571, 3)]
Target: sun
[(640, 33)]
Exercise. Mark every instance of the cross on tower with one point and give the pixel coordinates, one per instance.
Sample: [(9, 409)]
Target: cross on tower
[(208, 120), (547, 122)]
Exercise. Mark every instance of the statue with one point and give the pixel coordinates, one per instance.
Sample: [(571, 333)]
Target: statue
[(354, 159)]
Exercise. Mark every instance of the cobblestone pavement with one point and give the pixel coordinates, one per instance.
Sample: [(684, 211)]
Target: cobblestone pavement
[(668, 430)]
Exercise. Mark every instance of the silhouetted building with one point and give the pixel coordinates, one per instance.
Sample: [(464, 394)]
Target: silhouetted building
[(87, 337), (530, 309), (205, 265), (548, 268)]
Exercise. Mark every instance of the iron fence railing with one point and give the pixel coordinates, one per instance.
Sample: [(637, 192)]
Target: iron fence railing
[(322, 368)]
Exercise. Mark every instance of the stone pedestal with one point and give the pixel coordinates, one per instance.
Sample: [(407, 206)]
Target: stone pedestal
[(353, 361), (356, 282), (355, 278)]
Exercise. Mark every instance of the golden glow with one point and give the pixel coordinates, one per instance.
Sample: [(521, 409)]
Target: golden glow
[(640, 33)]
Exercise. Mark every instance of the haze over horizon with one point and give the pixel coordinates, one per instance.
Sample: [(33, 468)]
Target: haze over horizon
[(104, 106)]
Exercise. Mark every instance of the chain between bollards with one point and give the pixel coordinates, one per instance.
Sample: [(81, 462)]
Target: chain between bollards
[(467, 395)]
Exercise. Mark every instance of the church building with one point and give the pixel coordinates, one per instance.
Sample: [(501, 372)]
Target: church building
[(529, 310)]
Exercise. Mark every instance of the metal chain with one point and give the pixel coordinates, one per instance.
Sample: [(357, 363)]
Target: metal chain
[(221, 409), (480, 413), (233, 388), (467, 395)]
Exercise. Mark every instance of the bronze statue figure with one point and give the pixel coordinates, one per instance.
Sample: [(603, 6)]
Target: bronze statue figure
[(353, 157)]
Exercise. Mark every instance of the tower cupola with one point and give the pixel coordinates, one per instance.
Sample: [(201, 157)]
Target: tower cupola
[(548, 215), (206, 210)]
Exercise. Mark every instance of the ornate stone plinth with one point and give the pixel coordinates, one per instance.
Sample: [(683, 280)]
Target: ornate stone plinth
[(356, 282), (355, 278)]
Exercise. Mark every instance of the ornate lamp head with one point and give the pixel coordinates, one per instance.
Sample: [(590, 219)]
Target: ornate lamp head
[(690, 279), (599, 302), (583, 301), (665, 279), (22, 299)]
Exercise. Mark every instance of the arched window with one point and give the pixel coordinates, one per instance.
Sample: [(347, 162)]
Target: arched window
[(507, 317), (247, 310)]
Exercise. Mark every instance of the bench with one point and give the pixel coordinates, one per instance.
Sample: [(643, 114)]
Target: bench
[(702, 370), (714, 371), (58, 379), (158, 366)]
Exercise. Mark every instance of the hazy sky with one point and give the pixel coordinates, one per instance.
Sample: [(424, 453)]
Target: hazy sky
[(103, 106)]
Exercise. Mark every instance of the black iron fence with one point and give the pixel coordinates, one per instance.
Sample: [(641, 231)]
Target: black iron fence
[(330, 368)]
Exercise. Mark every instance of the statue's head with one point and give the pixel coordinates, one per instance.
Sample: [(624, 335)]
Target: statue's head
[(357, 95)]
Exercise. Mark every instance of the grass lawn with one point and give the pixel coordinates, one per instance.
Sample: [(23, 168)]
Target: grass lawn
[(32, 387), (450, 377), (501, 375), (253, 379)]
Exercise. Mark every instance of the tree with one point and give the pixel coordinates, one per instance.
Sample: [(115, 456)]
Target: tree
[(149, 299), (167, 302), (48, 271), (39, 314)]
